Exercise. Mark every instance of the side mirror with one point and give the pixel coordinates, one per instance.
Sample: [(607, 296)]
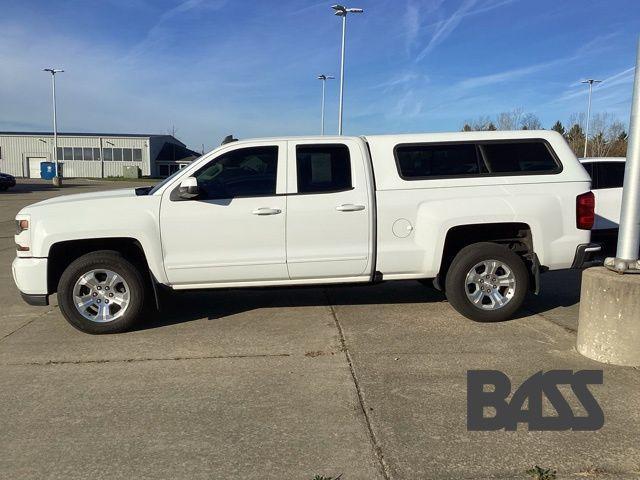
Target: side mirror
[(189, 188)]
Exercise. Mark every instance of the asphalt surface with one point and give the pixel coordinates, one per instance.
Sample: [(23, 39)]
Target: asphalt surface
[(367, 382)]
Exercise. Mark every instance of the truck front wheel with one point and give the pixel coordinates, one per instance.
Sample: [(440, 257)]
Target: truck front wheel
[(487, 282), (101, 292)]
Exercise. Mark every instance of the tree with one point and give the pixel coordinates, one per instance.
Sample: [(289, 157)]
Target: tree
[(558, 127), (509, 120), (530, 122), (575, 138), (491, 126), (466, 127)]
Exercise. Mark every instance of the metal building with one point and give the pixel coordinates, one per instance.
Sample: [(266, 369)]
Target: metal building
[(92, 155)]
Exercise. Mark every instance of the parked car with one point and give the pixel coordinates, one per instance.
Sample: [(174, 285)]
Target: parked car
[(481, 213), (6, 181), (607, 177)]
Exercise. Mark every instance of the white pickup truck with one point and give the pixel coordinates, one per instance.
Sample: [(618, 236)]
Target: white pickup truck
[(480, 213)]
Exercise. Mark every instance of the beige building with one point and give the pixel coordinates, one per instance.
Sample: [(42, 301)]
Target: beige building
[(92, 155)]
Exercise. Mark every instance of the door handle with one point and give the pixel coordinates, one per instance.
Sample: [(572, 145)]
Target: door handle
[(349, 207), (266, 211)]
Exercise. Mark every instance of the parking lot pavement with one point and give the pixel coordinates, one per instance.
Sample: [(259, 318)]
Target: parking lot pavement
[(369, 382)]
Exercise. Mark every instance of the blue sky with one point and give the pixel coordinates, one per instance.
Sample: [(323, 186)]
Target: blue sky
[(213, 67)]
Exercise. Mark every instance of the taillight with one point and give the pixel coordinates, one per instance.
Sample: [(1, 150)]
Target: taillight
[(585, 211)]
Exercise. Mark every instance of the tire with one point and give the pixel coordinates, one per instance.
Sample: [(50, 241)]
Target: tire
[(468, 273), (108, 279)]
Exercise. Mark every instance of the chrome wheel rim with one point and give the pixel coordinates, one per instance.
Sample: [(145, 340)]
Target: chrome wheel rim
[(490, 285), (101, 295)]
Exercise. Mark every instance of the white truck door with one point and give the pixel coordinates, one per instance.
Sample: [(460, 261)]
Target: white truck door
[(235, 230), (328, 210)]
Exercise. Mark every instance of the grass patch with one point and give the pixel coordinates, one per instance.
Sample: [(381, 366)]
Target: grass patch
[(539, 473)]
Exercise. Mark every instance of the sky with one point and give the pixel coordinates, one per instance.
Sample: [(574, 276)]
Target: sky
[(209, 68)]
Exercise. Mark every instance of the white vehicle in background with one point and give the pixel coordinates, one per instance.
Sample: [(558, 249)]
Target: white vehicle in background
[(483, 214), (607, 177)]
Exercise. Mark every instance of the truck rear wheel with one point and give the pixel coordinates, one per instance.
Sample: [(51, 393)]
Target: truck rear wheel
[(101, 292), (487, 282)]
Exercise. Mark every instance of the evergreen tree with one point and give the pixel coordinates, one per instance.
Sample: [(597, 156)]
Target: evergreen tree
[(558, 127)]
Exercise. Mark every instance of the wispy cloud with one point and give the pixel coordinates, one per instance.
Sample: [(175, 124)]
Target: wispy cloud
[(158, 32), (446, 28), (506, 75), (578, 90), (399, 80)]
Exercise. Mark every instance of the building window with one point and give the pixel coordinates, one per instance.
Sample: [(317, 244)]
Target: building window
[(87, 154), (67, 153), (77, 153), (126, 154), (96, 154), (323, 168), (137, 155), (59, 153), (108, 154), (117, 154)]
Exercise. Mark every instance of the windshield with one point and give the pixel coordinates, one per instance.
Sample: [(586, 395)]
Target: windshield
[(164, 182)]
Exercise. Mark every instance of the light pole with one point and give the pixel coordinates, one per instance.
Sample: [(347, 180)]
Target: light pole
[(324, 79), (590, 81), (342, 11), (56, 179)]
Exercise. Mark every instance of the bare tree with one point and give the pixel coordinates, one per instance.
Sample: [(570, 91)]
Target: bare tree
[(607, 135), (530, 121), (509, 120)]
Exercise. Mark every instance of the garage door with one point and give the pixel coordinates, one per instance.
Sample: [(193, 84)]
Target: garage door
[(34, 166)]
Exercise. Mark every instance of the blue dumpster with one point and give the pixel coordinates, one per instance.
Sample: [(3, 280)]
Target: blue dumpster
[(47, 170)]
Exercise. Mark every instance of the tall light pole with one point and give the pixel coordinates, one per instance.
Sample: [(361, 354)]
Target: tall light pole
[(590, 81), (342, 11), (324, 79), (56, 179)]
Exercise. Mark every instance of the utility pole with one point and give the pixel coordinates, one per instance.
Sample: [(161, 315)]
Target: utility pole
[(590, 81), (324, 79), (57, 181), (609, 317), (342, 11)]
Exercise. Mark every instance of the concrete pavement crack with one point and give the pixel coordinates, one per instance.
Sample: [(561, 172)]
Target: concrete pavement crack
[(377, 448), (151, 359), (26, 324)]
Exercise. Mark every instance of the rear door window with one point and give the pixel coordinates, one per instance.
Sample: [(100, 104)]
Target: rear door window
[(323, 168)]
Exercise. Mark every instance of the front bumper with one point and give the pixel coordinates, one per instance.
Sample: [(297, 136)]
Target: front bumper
[(585, 254), (30, 276)]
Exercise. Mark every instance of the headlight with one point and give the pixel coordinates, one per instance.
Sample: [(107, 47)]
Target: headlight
[(21, 226)]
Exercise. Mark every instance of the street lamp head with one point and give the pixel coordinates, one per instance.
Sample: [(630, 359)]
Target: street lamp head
[(591, 81), (325, 77), (53, 71), (341, 10)]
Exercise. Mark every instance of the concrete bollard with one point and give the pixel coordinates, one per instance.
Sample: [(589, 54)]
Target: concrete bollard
[(609, 319)]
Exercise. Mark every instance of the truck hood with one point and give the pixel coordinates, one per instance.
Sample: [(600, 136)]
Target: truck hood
[(84, 198)]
